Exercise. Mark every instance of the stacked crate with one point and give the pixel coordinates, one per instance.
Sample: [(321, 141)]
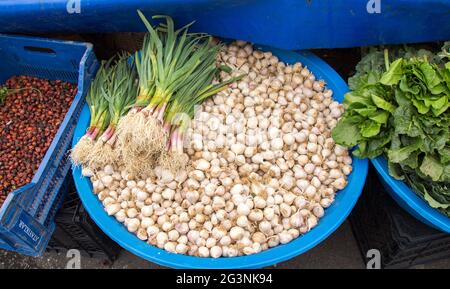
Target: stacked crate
[(379, 223)]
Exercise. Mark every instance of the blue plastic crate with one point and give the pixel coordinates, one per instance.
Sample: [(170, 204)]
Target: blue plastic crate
[(26, 217)]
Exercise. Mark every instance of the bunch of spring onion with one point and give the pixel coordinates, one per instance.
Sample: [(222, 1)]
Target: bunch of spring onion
[(120, 91), (167, 60), (98, 106), (182, 108)]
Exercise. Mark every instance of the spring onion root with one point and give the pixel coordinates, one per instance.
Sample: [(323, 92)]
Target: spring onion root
[(103, 154), (140, 136), (173, 158), (80, 153)]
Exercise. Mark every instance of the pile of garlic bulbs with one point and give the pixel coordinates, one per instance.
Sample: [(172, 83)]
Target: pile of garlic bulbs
[(263, 166)]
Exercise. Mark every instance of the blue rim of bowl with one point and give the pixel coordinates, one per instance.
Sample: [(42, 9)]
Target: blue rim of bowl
[(417, 205), (334, 216)]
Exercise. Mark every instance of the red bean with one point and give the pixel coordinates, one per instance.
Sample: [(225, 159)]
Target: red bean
[(29, 119)]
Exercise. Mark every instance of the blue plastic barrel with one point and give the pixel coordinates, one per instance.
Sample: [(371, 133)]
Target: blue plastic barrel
[(409, 200), (286, 24), (334, 215)]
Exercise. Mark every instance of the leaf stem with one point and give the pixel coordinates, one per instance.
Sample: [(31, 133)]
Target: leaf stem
[(386, 58)]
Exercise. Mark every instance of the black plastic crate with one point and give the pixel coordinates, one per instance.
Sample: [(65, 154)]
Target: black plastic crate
[(76, 230), (379, 223)]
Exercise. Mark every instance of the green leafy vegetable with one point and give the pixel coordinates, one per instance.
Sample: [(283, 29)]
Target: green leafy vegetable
[(400, 109), (347, 132), (436, 194), (394, 74), (432, 168)]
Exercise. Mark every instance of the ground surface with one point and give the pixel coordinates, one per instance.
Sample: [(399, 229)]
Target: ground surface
[(338, 251)]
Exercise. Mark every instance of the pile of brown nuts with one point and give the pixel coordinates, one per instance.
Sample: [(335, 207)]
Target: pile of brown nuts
[(29, 119)]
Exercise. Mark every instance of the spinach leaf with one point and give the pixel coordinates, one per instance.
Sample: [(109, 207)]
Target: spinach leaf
[(398, 155), (347, 132), (431, 167), (383, 104), (394, 74)]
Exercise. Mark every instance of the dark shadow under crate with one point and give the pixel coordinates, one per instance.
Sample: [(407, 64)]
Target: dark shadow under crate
[(76, 230), (379, 223)]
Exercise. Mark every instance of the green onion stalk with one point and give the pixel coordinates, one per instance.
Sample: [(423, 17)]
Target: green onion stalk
[(98, 107), (120, 91), (164, 66), (182, 109)]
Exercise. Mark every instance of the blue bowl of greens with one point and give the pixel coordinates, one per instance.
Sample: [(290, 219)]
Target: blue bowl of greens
[(398, 114)]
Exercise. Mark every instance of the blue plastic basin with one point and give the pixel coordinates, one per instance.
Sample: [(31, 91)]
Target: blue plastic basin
[(334, 215), (409, 200)]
